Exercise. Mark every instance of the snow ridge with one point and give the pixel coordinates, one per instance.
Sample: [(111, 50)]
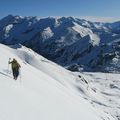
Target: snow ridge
[(44, 90)]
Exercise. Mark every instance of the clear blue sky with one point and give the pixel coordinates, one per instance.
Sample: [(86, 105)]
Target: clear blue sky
[(43, 8)]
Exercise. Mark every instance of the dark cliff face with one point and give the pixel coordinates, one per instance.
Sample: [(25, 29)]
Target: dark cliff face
[(68, 41)]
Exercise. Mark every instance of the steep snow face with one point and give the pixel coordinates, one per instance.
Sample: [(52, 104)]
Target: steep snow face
[(47, 33), (83, 31), (86, 31), (7, 30), (43, 90), (54, 37)]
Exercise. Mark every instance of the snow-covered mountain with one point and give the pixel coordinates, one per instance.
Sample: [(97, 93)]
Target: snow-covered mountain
[(68, 41), (46, 91)]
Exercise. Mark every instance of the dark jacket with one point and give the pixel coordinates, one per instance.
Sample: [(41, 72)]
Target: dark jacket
[(14, 64)]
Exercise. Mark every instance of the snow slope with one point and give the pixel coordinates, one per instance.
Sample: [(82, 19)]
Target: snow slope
[(107, 88), (43, 90)]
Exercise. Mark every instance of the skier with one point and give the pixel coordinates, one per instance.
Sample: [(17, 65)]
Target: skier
[(15, 68)]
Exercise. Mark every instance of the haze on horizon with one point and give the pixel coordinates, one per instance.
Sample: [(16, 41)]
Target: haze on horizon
[(95, 10)]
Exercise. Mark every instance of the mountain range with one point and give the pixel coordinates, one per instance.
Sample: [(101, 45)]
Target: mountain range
[(47, 91), (76, 44)]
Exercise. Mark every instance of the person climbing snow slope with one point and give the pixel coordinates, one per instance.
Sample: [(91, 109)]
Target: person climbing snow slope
[(15, 68)]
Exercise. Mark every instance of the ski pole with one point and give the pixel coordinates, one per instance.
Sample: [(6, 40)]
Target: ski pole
[(9, 65), (20, 75)]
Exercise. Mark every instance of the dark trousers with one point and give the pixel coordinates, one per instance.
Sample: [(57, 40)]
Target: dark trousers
[(15, 72)]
